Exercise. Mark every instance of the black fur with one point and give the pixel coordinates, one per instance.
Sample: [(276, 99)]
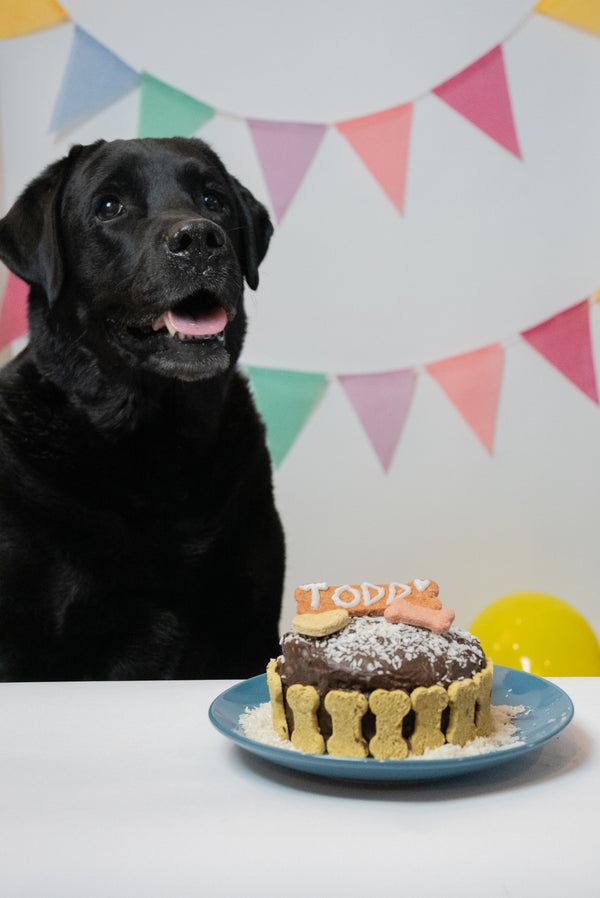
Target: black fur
[(138, 534)]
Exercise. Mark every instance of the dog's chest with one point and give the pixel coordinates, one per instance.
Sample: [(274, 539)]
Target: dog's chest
[(167, 486), (155, 510)]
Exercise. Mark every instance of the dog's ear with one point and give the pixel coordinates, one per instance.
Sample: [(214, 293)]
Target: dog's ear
[(257, 231), (30, 239)]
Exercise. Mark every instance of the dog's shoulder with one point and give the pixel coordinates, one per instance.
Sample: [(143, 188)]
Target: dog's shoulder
[(24, 409)]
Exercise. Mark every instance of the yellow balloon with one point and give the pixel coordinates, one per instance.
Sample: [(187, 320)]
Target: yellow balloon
[(540, 634)]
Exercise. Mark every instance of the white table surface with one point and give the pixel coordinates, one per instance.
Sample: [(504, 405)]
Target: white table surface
[(126, 789)]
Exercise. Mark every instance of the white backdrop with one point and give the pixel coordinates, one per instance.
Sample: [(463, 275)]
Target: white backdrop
[(488, 245)]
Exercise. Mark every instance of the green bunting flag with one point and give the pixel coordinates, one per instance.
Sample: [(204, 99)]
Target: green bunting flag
[(284, 399), (168, 112)]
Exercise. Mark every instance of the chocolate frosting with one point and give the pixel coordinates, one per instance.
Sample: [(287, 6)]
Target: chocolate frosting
[(370, 653)]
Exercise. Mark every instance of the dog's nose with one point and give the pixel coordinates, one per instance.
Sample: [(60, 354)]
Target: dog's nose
[(196, 236)]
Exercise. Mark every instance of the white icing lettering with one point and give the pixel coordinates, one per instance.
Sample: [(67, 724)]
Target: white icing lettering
[(421, 585), (314, 589), (368, 599), (404, 592), (339, 601)]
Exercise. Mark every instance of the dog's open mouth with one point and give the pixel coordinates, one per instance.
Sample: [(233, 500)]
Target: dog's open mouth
[(197, 318), (187, 341)]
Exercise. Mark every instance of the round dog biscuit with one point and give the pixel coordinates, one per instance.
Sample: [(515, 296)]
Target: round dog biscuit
[(323, 624)]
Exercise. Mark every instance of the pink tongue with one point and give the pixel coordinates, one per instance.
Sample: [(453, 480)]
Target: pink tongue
[(212, 322)]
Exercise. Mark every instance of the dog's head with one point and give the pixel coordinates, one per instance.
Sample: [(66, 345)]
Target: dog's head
[(139, 249)]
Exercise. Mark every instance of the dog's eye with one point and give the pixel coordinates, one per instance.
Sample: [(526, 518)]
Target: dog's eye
[(213, 202), (109, 207)]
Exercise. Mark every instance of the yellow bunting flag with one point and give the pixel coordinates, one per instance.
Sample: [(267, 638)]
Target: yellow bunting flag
[(19, 17), (579, 13)]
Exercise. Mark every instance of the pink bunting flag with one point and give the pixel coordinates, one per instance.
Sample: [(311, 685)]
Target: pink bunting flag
[(382, 141), (13, 314), (471, 382), (285, 151), (382, 402), (480, 93), (565, 341)]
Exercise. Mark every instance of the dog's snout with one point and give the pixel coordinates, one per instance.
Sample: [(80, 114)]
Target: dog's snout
[(196, 236)]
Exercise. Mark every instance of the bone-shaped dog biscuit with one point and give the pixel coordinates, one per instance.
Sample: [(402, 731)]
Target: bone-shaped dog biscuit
[(483, 708), (428, 704), (390, 708), (402, 611), (277, 706), (304, 702), (347, 710), (462, 695), (365, 598)]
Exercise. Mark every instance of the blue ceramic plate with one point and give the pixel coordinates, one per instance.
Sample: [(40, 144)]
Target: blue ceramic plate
[(550, 710)]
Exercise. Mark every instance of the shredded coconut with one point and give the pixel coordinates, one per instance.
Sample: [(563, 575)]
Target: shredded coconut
[(256, 724), (391, 645), (504, 735)]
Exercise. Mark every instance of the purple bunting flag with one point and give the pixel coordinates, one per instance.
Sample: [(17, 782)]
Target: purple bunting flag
[(382, 402), (285, 151)]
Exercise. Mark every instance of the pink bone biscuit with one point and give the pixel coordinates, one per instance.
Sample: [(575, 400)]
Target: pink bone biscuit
[(402, 612)]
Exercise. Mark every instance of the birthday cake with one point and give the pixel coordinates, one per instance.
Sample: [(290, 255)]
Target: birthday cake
[(378, 671)]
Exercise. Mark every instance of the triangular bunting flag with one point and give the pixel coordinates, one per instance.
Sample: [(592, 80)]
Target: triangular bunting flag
[(285, 151), (284, 399), (382, 140), (579, 13), (471, 382), (93, 79), (19, 17), (480, 94), (168, 112), (565, 341), (381, 402), (13, 314)]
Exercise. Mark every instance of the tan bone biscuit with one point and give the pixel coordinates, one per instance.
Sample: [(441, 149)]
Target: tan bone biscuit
[(323, 624), (319, 598), (304, 702), (483, 713), (346, 710), (390, 708), (277, 705), (428, 704), (365, 598), (461, 724)]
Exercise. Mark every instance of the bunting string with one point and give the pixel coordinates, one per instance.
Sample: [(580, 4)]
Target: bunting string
[(285, 150), (471, 382), (382, 400), (95, 77)]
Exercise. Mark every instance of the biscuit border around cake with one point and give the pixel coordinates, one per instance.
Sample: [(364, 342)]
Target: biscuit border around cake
[(456, 714)]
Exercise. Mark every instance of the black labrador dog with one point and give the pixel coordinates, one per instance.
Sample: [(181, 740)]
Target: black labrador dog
[(138, 533)]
